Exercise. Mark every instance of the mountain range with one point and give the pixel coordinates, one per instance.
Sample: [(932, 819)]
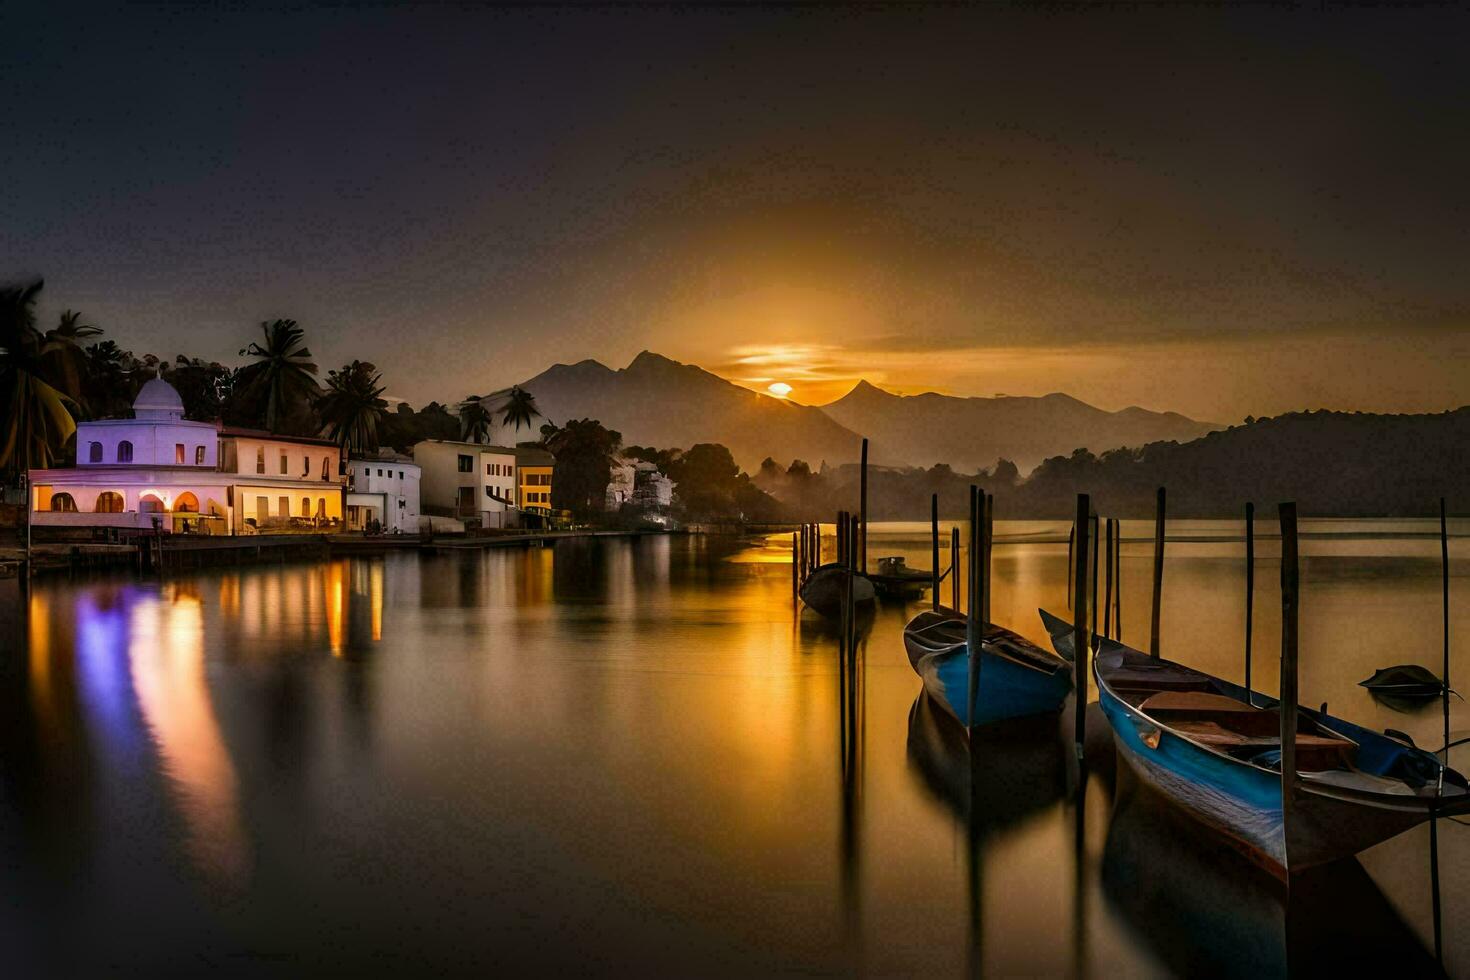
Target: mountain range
[(659, 402)]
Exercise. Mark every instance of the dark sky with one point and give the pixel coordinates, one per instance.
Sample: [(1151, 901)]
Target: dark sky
[(1213, 211)]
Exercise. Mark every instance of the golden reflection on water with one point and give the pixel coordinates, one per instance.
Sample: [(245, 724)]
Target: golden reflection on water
[(646, 734), (166, 653)]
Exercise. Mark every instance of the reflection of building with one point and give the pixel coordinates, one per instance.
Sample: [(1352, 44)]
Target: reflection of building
[(159, 464), (534, 490), (468, 481), (383, 489)]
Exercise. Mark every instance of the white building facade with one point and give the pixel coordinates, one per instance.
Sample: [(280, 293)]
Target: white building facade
[(384, 489), (191, 476), (469, 481)]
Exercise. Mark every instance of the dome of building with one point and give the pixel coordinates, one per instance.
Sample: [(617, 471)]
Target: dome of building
[(158, 400)]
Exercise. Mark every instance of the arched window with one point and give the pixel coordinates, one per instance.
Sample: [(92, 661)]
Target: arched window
[(94, 452), (109, 502), (149, 504), (321, 507), (305, 506), (63, 502), (125, 452), (186, 503)]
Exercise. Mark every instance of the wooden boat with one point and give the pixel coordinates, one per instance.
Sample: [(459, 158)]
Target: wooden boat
[(1216, 751), (1017, 677), (826, 587), (895, 580)]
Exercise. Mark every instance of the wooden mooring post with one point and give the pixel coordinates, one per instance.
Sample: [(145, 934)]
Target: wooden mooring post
[(1081, 644), (1153, 635)]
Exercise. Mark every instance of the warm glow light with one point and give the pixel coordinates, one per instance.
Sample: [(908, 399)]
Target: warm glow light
[(780, 389)]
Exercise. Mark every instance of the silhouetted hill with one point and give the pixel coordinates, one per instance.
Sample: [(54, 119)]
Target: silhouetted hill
[(1330, 463), (970, 433), (659, 402), (1333, 464)]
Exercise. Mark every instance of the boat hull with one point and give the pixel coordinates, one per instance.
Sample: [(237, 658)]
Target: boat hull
[(1007, 689), (1243, 802), (826, 589)]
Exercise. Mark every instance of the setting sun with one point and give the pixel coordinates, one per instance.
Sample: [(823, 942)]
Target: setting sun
[(779, 388)]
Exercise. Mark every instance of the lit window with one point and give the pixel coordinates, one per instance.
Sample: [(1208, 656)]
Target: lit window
[(198, 455), (178, 454)]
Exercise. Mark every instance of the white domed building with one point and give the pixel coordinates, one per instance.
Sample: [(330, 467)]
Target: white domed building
[(194, 476)]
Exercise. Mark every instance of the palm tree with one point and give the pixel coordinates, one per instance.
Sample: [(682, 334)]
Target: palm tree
[(351, 407), (474, 420), (36, 410), (284, 373), (67, 356), (519, 408)]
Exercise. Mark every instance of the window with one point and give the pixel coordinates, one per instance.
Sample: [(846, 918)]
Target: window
[(326, 467), (466, 463), (510, 471), (186, 503), (198, 455), (321, 507), (380, 472), (285, 504), (94, 452), (284, 470), (125, 452), (488, 492), (178, 454), (305, 467), (489, 469), (149, 504), (260, 462), (63, 502), (305, 506), (109, 502), (262, 504), (400, 474)]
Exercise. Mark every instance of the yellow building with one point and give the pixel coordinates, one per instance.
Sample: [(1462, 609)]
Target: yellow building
[(533, 483)]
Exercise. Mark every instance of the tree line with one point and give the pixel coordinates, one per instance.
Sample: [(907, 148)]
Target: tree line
[(51, 379), (1334, 464)]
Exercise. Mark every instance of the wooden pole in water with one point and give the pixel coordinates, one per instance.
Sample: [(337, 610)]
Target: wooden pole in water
[(1250, 593), (1290, 600), (1108, 578), (1153, 635), (817, 545), (934, 545), (1444, 561), (987, 549), (1094, 554), (1118, 579), (795, 566), (972, 610), (1071, 545), (954, 568), (1080, 644), (862, 562)]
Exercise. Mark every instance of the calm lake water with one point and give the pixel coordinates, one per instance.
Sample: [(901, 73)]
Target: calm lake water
[(625, 756)]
